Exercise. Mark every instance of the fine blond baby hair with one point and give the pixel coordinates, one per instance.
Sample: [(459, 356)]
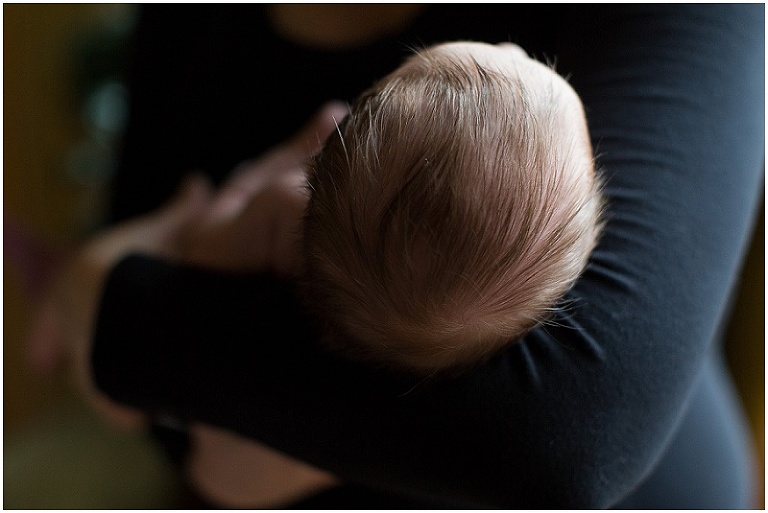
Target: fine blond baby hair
[(452, 209)]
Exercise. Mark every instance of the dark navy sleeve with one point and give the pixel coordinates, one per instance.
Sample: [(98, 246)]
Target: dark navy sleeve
[(577, 414)]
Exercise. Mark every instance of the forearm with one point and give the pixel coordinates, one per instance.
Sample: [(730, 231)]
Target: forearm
[(577, 413)]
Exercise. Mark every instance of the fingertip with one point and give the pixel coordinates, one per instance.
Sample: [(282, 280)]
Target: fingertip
[(335, 108), (332, 114), (325, 122)]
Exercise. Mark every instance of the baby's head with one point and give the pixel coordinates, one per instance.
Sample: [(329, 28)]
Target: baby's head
[(456, 204)]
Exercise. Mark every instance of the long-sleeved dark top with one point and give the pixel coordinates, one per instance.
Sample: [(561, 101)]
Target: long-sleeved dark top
[(620, 401)]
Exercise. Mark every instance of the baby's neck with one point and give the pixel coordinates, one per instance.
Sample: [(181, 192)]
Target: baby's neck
[(339, 26)]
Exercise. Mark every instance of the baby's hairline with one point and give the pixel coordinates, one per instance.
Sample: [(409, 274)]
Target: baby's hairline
[(448, 51)]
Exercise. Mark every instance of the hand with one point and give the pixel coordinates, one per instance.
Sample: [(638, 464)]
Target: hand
[(193, 226), (67, 314), (254, 222)]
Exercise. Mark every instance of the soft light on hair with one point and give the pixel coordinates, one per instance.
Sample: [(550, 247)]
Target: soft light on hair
[(449, 213)]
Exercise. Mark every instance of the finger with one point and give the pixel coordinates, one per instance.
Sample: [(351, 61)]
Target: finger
[(270, 226), (193, 195), (250, 176), (287, 215), (159, 233), (231, 201), (164, 230), (311, 138), (236, 196)]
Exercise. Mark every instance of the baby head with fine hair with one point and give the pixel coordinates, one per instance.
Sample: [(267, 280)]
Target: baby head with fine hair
[(454, 207)]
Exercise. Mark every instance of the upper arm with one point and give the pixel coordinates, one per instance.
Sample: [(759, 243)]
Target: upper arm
[(576, 414)]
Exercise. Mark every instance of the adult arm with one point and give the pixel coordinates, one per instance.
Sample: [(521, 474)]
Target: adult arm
[(576, 414)]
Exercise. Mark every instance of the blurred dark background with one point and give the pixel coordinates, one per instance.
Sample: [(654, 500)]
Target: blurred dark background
[(64, 110)]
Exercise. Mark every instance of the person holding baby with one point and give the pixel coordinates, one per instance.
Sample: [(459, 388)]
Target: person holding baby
[(446, 303)]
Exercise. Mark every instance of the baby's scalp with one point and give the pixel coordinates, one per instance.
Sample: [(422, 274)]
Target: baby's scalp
[(451, 211)]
